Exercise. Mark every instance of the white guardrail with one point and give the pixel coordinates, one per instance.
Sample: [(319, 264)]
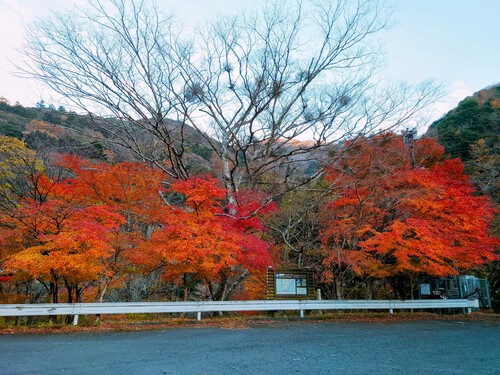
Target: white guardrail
[(200, 307)]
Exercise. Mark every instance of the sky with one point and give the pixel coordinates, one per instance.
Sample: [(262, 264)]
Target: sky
[(452, 41)]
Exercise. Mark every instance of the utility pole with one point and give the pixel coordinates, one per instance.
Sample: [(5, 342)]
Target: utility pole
[(408, 139)]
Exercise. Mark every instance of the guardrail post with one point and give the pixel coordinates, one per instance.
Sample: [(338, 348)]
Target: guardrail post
[(198, 315), (318, 297), (75, 320), (301, 309)]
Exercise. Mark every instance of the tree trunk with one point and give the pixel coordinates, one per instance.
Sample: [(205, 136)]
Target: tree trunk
[(231, 286), (69, 288), (221, 288), (398, 283), (186, 288), (104, 290), (369, 289), (211, 290), (338, 288), (228, 181), (78, 294), (54, 292)]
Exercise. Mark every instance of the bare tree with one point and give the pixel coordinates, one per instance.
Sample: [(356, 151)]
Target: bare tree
[(114, 62), (261, 81), (251, 84), (295, 227)]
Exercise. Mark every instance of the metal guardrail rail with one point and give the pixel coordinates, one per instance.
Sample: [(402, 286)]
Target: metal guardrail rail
[(200, 307)]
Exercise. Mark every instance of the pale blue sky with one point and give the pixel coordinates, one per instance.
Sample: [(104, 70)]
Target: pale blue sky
[(454, 41), (451, 39)]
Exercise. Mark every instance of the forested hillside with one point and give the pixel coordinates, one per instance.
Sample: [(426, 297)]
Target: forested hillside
[(50, 130), (471, 132), (476, 117)]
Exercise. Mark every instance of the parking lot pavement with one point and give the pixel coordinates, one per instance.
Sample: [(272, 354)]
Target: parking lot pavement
[(426, 347)]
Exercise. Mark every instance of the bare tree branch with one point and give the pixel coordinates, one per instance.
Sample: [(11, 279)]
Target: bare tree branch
[(250, 85)]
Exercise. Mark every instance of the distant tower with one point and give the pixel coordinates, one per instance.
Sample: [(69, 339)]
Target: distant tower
[(408, 138)]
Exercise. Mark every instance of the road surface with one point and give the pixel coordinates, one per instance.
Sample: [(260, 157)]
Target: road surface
[(426, 347)]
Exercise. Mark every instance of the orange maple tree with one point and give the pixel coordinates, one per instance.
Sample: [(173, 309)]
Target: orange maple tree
[(134, 191), (388, 218), (59, 238), (441, 229), (200, 242)]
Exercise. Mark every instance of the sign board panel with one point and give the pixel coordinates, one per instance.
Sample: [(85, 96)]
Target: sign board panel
[(290, 284)]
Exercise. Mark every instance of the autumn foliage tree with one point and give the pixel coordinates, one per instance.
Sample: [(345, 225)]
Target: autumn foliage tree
[(132, 190), (20, 171), (77, 230), (391, 219), (183, 232), (58, 239), (200, 242)]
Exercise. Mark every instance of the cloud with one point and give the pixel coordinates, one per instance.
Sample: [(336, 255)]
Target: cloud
[(15, 16), (11, 31), (457, 92), (14, 7)]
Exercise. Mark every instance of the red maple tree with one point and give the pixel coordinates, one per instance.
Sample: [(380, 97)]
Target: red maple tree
[(201, 242), (132, 190), (388, 218), (59, 238)]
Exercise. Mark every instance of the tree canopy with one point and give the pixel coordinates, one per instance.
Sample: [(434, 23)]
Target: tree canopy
[(388, 218)]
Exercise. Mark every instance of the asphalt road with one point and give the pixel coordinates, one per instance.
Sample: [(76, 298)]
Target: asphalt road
[(428, 347)]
